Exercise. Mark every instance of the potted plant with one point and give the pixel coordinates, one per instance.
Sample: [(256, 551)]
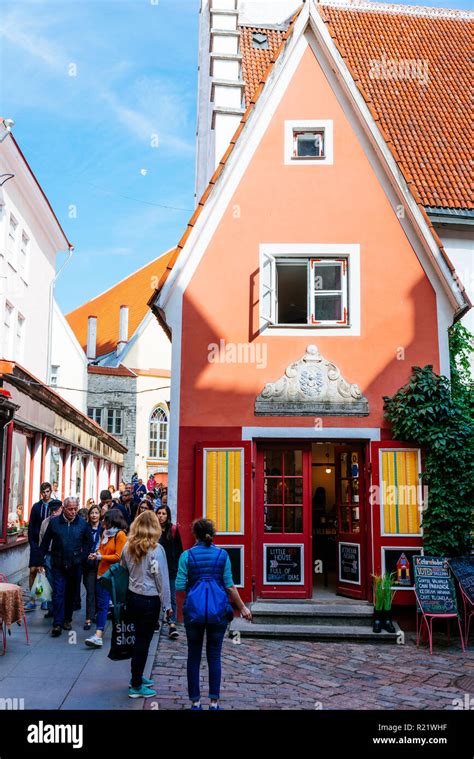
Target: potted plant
[(383, 603), (12, 532)]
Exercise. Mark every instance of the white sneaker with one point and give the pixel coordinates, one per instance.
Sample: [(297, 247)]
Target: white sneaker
[(94, 642)]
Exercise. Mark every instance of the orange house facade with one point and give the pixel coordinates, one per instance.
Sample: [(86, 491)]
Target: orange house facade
[(308, 283)]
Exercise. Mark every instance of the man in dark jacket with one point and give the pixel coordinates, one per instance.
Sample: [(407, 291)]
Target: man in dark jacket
[(70, 539), (39, 512), (126, 506)]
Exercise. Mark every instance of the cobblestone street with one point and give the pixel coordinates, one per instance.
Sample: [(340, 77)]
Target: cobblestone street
[(269, 674)]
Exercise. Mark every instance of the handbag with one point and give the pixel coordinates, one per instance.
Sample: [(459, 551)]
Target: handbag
[(115, 581), (123, 636)]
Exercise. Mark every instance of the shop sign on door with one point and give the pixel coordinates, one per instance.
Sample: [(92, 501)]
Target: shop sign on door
[(283, 564)]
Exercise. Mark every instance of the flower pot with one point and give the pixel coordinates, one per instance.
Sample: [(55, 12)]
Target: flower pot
[(11, 537), (387, 621)]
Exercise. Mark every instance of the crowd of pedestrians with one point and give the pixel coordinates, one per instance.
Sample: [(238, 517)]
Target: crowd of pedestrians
[(132, 528)]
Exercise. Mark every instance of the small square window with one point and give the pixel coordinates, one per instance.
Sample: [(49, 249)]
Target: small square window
[(309, 144), (114, 421)]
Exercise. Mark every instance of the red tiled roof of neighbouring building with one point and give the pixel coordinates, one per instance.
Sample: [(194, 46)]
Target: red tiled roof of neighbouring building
[(133, 291)]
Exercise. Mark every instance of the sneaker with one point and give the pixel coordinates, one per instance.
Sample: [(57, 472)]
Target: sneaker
[(87, 625), (214, 708), (94, 642), (173, 633), (196, 706), (142, 692), (56, 631), (30, 606), (44, 606), (145, 681)]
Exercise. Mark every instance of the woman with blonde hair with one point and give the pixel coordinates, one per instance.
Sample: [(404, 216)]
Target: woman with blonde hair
[(148, 590)]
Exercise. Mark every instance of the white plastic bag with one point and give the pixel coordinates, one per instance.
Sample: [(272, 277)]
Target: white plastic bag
[(41, 589)]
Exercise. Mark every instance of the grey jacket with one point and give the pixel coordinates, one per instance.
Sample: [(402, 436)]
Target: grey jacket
[(143, 581)]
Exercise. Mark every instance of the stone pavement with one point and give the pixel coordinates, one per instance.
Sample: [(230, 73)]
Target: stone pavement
[(271, 674), (62, 673)]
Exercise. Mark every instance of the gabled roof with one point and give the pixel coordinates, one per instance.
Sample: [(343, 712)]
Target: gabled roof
[(133, 291), (255, 63)]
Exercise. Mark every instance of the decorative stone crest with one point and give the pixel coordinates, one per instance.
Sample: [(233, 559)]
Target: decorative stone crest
[(311, 386)]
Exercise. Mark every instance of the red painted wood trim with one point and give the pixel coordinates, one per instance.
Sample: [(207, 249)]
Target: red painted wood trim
[(8, 466), (44, 447)]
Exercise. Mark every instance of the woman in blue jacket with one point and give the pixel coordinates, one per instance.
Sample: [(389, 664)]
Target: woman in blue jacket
[(206, 560)]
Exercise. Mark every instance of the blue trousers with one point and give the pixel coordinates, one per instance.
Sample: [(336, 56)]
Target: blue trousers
[(214, 638), (49, 575), (65, 582), (102, 601)]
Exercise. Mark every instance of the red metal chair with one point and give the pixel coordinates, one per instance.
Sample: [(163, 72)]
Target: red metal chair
[(468, 612), (4, 578), (427, 618)]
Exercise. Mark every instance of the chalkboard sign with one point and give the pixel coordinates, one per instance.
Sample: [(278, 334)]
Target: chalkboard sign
[(283, 565), (349, 563), (463, 569), (235, 556), (434, 585)]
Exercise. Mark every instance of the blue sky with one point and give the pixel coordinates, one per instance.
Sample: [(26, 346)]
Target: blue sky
[(88, 137)]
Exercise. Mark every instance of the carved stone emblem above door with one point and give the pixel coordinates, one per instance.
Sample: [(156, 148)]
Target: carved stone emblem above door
[(311, 386)]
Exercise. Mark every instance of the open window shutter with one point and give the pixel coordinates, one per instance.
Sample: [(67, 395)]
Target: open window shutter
[(268, 290)]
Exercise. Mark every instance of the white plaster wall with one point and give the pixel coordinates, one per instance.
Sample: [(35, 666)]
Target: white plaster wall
[(28, 291), (72, 362), (459, 246), (264, 12), (151, 349), (146, 402)]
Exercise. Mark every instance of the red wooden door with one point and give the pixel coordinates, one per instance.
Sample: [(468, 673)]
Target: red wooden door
[(283, 521), (223, 494), (397, 503), (351, 521)]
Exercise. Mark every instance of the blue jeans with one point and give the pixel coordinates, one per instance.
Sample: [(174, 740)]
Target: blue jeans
[(102, 600), (174, 606), (214, 638), (65, 582)]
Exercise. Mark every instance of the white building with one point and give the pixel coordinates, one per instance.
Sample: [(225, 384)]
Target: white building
[(129, 369), (45, 436)]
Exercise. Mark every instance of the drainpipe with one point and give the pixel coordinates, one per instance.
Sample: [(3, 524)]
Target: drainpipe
[(51, 304)]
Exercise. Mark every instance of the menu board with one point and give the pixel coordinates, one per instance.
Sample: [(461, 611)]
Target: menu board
[(349, 562), (463, 569), (283, 564), (434, 585)]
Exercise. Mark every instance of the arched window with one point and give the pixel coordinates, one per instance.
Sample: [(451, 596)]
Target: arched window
[(158, 434)]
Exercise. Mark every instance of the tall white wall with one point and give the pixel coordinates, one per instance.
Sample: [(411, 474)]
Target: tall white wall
[(459, 245), (25, 281), (68, 355), (151, 349), (146, 402)]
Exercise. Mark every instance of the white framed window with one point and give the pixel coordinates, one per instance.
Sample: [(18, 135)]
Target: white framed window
[(158, 434), (7, 329), (310, 286), (54, 376), (12, 239), (24, 254), (115, 421), (20, 336), (95, 413), (309, 141)]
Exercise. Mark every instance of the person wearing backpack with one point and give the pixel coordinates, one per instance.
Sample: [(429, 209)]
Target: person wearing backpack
[(171, 542), (204, 572), (148, 591), (113, 539)]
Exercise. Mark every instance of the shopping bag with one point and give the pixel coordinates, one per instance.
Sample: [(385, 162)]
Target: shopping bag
[(123, 635), (41, 590)]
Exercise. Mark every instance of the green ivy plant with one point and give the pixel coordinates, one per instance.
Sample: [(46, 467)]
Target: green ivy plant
[(438, 415)]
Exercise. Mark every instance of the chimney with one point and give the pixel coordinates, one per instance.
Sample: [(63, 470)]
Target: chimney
[(92, 338), (123, 329)]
